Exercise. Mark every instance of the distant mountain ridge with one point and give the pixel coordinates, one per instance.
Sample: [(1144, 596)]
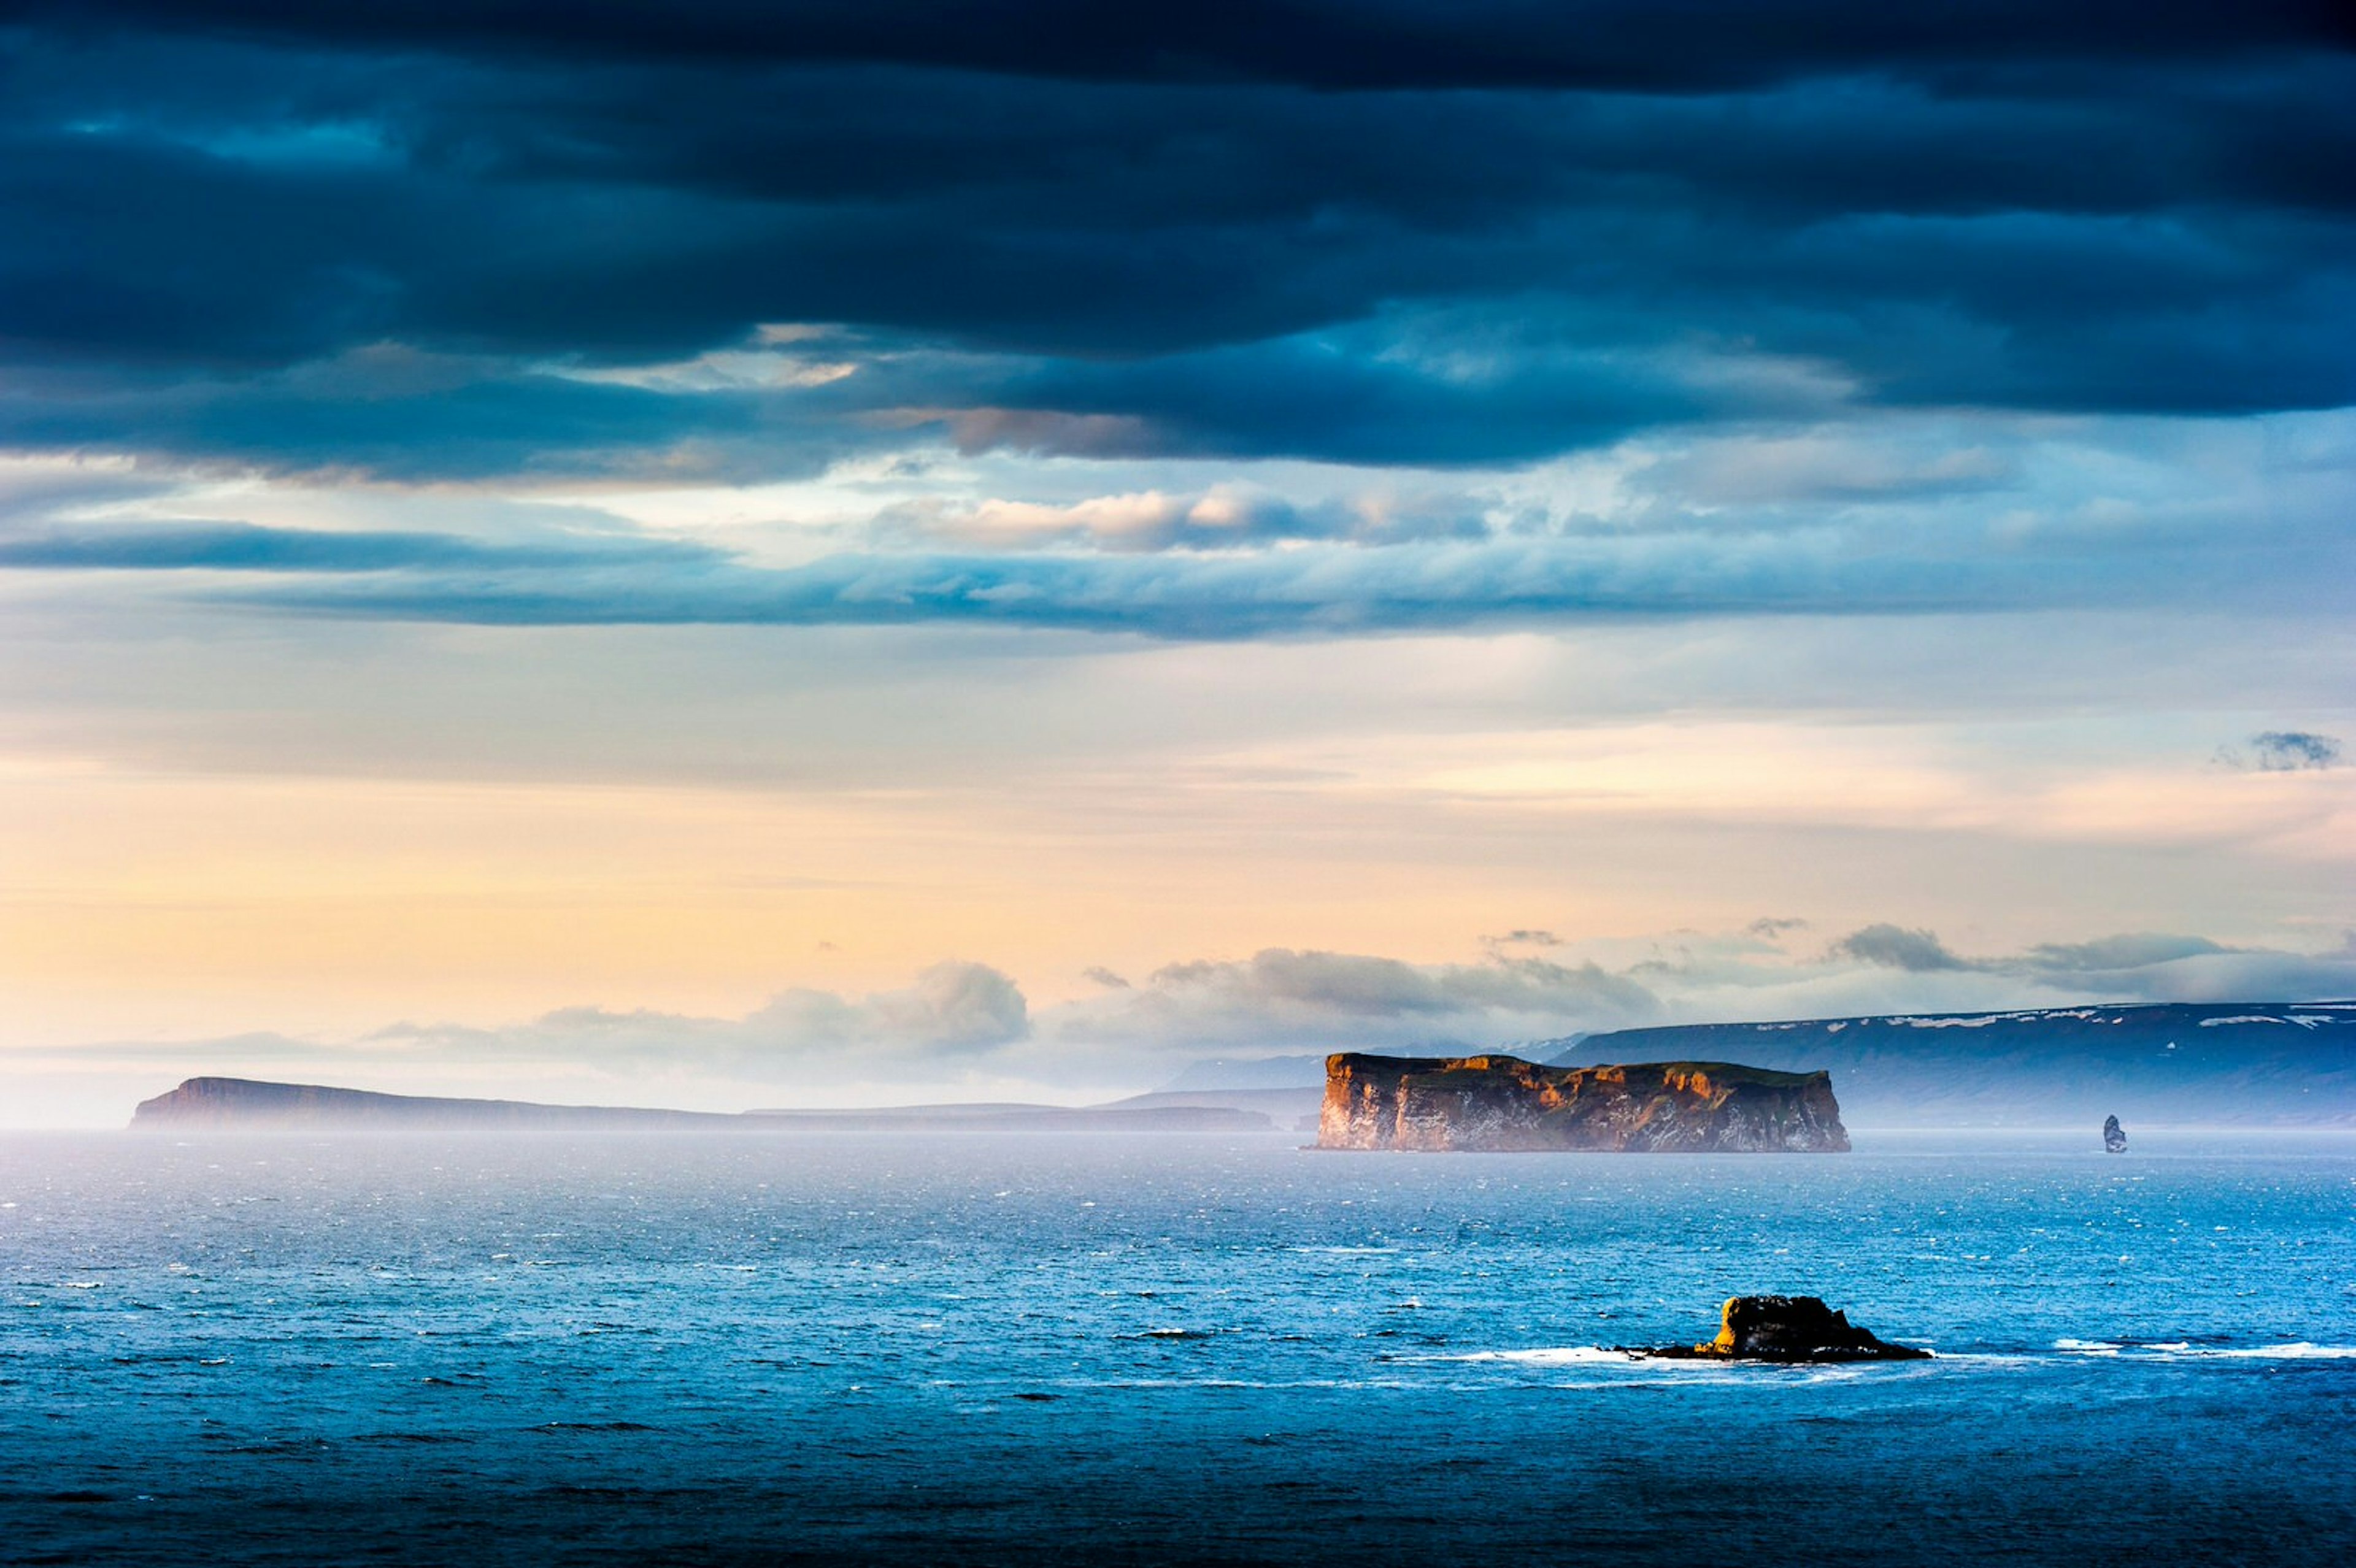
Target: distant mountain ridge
[(2241, 1063)]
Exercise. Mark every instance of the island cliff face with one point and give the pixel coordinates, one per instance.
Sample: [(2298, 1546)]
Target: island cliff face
[(1501, 1104)]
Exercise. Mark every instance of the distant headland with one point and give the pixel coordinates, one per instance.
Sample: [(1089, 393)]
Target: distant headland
[(249, 1104), (1503, 1103)]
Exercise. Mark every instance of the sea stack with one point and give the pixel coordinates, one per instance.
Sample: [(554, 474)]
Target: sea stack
[(1502, 1103), (1786, 1329), (2115, 1137)]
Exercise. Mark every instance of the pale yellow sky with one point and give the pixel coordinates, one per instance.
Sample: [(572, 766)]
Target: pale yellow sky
[(226, 820), (178, 904)]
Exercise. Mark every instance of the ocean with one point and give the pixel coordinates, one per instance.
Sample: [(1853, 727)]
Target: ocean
[(989, 1348)]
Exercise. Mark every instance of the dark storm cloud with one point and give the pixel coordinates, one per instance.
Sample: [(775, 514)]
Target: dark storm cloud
[(1341, 398), (1640, 44), (1373, 234)]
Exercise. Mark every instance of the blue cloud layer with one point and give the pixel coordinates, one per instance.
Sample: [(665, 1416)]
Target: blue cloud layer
[(1784, 525), (246, 547)]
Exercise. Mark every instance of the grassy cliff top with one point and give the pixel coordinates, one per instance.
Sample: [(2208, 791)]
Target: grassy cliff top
[(1492, 1062)]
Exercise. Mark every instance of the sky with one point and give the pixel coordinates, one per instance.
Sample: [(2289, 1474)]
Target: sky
[(741, 554)]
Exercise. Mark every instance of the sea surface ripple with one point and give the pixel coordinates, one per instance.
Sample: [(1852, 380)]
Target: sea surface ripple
[(1080, 1348)]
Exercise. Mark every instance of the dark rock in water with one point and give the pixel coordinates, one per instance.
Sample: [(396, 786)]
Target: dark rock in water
[(1784, 1328), (1498, 1103), (2115, 1137)]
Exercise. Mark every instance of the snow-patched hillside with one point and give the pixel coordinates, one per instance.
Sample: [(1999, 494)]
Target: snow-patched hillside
[(2241, 1063)]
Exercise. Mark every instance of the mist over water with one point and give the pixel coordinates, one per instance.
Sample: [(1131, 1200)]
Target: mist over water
[(989, 1348)]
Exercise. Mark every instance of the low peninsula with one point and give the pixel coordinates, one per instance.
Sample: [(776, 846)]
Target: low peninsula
[(228, 1104), (1503, 1103)]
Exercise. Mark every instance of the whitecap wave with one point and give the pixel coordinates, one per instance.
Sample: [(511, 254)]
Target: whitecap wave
[(2185, 1351), (1340, 1252)]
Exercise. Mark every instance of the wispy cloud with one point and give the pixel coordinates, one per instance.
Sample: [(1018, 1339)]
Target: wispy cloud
[(2284, 751), (2103, 526), (2110, 954), (1896, 947), (1224, 517), (224, 547), (1314, 1000), (952, 1014), (1318, 590)]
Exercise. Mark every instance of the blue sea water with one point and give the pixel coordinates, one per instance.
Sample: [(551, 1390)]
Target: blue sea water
[(1080, 1348)]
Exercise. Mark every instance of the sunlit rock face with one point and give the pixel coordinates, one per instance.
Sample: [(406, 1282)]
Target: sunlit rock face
[(1498, 1103)]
